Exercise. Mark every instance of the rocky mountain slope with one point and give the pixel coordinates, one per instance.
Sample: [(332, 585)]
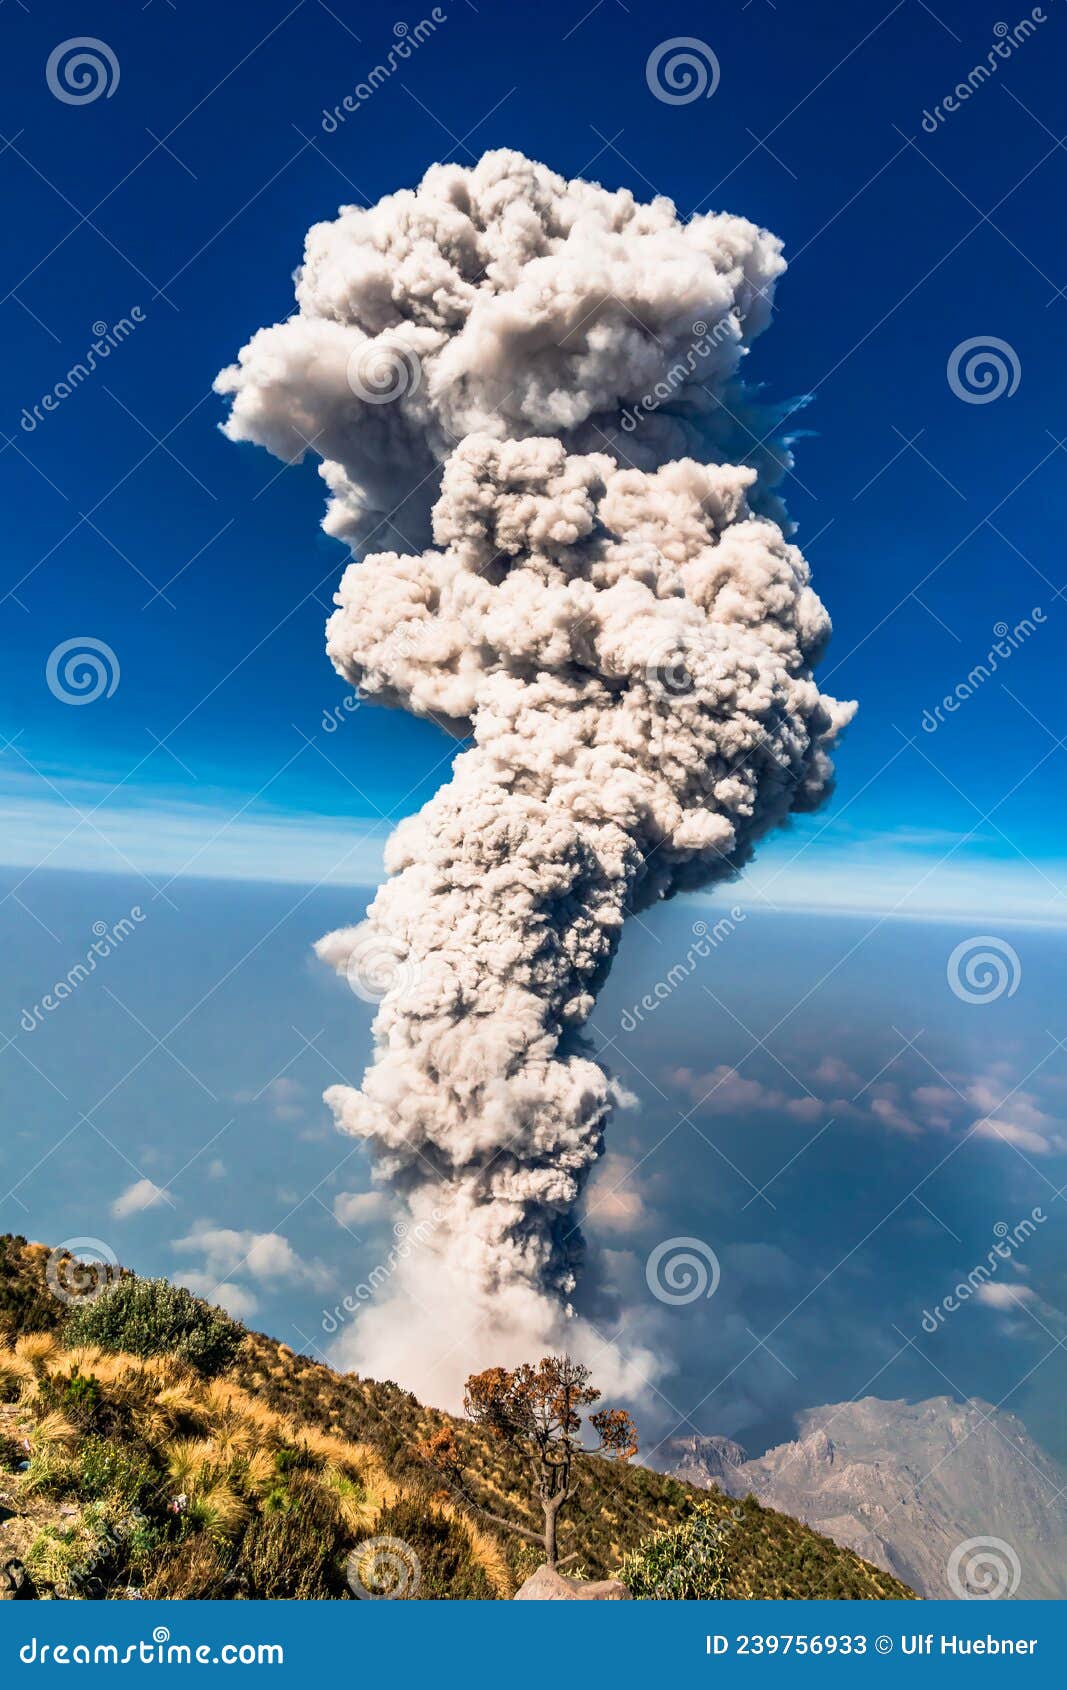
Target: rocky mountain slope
[(218, 1463), (905, 1485)]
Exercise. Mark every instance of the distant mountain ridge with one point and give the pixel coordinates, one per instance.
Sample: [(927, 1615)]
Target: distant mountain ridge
[(905, 1485)]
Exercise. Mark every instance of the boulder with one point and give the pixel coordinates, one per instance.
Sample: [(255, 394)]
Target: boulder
[(546, 1585), (15, 1583)]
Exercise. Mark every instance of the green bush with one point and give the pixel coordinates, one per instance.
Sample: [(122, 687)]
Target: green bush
[(683, 1564), (295, 1550), (440, 1550), (149, 1317), (120, 1472)]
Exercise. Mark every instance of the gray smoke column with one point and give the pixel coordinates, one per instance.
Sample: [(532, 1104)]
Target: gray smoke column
[(533, 385)]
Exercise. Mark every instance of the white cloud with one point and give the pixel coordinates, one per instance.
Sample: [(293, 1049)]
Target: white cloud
[(1002, 1296), (283, 1096), (235, 1299), (142, 1194), (266, 1256), (1010, 1132), (359, 1208), (723, 1091), (161, 832), (613, 1201)]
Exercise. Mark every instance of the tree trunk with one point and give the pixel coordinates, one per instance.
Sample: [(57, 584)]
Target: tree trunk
[(551, 1507)]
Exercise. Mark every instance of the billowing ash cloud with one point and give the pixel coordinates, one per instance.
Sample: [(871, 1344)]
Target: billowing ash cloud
[(508, 301), (616, 623)]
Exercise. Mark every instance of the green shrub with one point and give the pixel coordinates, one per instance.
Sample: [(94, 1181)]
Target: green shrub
[(294, 1550), (683, 1564), (149, 1317), (117, 1471), (439, 1548), (26, 1303), (52, 1472)]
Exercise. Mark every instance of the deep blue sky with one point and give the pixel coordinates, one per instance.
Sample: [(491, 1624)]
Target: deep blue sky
[(898, 255), (131, 520)]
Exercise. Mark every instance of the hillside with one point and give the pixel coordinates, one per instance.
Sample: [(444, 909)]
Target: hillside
[(904, 1484), (233, 1467)]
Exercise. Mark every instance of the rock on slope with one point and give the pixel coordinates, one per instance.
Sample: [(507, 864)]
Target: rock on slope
[(905, 1484)]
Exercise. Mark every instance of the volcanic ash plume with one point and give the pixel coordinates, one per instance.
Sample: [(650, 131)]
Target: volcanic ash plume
[(626, 638)]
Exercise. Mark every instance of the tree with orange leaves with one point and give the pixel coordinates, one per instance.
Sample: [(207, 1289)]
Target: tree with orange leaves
[(538, 1411)]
